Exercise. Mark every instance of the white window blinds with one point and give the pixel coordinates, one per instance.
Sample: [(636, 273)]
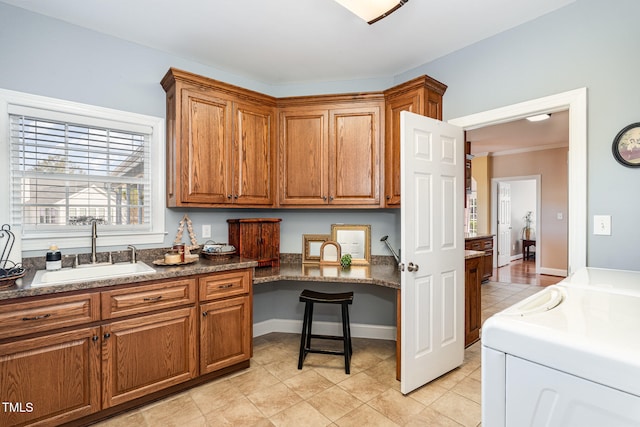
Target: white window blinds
[(66, 173)]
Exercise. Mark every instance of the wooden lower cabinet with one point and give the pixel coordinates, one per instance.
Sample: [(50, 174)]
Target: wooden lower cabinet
[(225, 328), (151, 339), (484, 243), (146, 354), (50, 380), (472, 303)]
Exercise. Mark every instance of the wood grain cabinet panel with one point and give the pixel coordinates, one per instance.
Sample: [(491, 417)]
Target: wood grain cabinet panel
[(146, 298), (256, 238), (146, 354), (422, 95), (224, 285), (329, 152), (29, 317), (472, 303), (485, 244), (220, 143), (52, 379), (225, 333)]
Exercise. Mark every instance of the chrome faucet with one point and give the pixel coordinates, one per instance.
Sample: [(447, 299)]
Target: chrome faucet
[(94, 236), (133, 254)]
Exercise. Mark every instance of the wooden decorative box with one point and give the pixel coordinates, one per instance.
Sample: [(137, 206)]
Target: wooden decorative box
[(257, 238)]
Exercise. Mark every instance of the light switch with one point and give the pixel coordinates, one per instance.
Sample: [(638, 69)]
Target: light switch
[(559, 216), (206, 231), (602, 225)]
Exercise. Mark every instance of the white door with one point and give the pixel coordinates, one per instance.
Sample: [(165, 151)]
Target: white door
[(504, 223), (432, 224)]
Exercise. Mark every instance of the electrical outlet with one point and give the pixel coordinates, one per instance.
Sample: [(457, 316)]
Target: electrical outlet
[(602, 225), (206, 231)]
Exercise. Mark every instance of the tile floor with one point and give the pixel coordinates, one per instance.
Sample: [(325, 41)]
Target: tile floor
[(273, 392)]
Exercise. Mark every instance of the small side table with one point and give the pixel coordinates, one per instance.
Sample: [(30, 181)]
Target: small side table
[(526, 245)]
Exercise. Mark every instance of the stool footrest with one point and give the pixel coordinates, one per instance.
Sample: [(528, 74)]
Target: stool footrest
[(320, 351), (327, 337)]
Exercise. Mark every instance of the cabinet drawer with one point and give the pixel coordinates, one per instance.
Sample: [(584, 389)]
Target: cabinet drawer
[(487, 244), (145, 298), (224, 285), (22, 318)]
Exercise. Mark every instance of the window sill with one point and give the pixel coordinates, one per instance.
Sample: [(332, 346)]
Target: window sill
[(111, 239)]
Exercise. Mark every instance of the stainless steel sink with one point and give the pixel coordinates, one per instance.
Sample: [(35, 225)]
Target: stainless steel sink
[(90, 272)]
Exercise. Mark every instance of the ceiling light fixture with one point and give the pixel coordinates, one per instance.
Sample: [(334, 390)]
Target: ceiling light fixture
[(372, 10), (539, 117)]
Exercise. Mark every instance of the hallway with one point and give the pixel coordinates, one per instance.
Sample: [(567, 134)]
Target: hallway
[(523, 272)]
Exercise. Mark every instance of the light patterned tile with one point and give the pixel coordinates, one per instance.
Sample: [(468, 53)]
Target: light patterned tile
[(214, 395), (469, 388), (302, 414), (238, 413), (431, 418), (132, 418), (428, 393), (365, 415), (459, 409), (253, 379), (334, 403), (273, 399), (363, 387), (181, 409), (308, 384), (396, 406)]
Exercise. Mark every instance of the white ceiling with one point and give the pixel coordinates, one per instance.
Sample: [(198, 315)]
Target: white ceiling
[(297, 41), (304, 41), (521, 135)]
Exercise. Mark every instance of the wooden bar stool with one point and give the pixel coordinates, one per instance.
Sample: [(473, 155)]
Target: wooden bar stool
[(312, 297)]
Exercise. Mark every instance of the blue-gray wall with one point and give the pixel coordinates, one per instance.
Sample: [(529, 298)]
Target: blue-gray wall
[(589, 43)]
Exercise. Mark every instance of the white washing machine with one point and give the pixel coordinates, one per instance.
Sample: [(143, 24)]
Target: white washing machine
[(568, 356)]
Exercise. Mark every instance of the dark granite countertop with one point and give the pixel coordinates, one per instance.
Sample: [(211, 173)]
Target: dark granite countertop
[(473, 254), (386, 275), (477, 236), (202, 266)]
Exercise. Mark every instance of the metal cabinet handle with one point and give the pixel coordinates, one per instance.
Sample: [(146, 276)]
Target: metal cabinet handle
[(229, 196), (95, 338), (44, 316), (225, 286), (324, 198), (106, 335), (204, 314), (158, 298), (413, 267)]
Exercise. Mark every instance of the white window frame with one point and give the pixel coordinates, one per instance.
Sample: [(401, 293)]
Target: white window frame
[(77, 240)]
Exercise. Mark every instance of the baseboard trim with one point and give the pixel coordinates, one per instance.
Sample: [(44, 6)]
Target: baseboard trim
[(553, 272), (358, 330)]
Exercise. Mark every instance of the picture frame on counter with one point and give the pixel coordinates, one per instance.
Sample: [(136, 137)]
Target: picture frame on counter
[(354, 239), (311, 244)]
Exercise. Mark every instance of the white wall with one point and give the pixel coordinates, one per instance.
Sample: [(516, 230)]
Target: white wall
[(523, 200)]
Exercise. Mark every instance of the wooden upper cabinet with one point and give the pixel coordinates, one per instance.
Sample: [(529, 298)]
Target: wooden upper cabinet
[(329, 152), (304, 153), (422, 95), (220, 143), (253, 154)]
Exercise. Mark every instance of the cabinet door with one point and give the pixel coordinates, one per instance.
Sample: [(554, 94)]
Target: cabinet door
[(51, 379), (354, 156), (204, 149), (409, 102), (147, 354), (225, 333), (472, 304), (303, 157), (253, 154)]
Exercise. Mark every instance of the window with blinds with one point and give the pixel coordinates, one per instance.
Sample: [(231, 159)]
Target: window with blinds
[(65, 175)]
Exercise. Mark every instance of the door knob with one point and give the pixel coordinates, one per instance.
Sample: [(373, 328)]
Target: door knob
[(413, 267)]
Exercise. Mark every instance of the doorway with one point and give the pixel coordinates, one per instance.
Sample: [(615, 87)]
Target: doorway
[(575, 102), (524, 198)]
